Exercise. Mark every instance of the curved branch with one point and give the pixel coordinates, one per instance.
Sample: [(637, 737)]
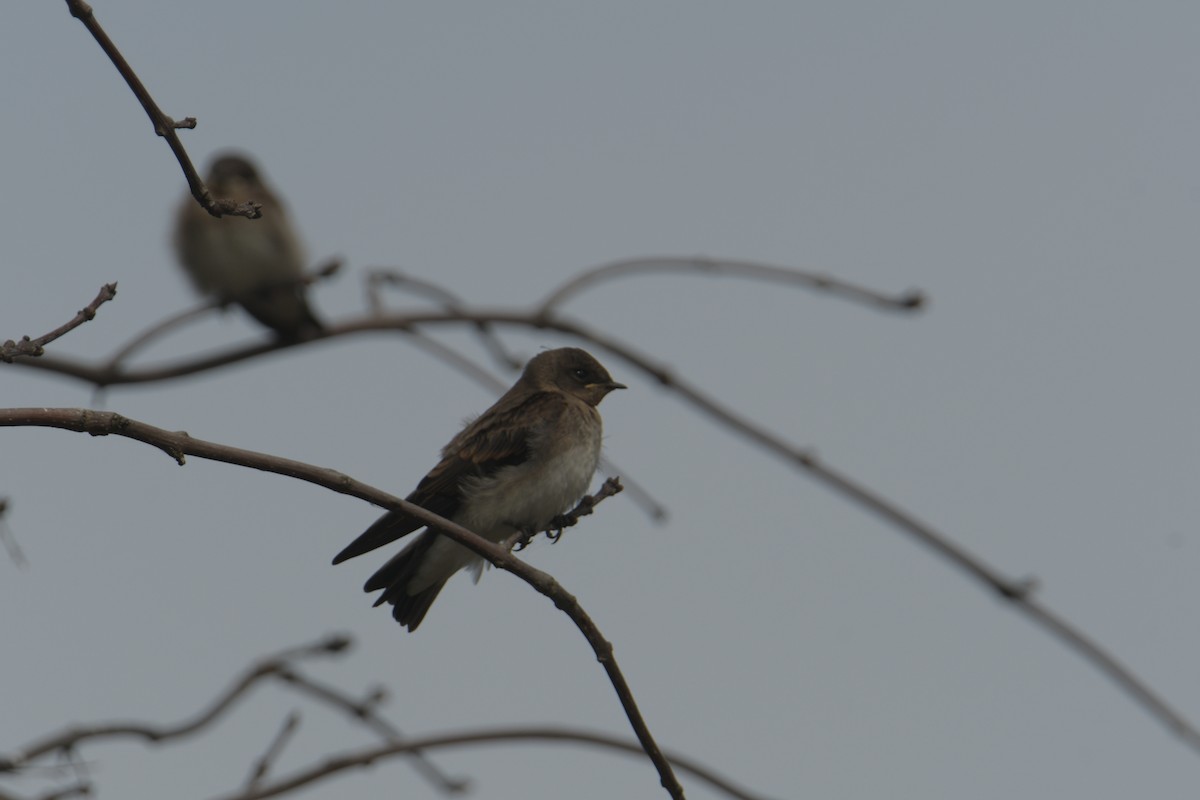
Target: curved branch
[(72, 737), (140, 341), (280, 666), (1017, 592), (363, 758), (152, 333), (541, 316), (910, 301), (179, 444)]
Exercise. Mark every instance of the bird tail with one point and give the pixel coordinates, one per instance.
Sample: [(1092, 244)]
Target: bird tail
[(394, 577), (385, 530), (285, 310)]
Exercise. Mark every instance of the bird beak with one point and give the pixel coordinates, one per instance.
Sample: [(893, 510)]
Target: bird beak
[(614, 385)]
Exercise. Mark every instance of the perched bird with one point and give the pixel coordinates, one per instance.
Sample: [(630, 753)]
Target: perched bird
[(515, 468), (257, 263)]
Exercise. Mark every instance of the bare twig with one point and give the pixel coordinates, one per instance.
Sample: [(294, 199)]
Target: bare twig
[(357, 759), (164, 126), (81, 789), (541, 316), (444, 298), (281, 667), (179, 445), (909, 301), (156, 331), (76, 790), (71, 737), (586, 505), (10, 350), (264, 763), (365, 712)]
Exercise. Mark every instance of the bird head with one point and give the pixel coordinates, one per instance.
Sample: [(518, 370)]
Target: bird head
[(573, 371)]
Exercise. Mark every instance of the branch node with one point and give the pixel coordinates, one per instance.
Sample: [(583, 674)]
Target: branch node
[(1018, 590), (79, 9), (336, 643)]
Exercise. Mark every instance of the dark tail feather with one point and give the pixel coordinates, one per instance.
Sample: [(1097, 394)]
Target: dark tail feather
[(285, 310), (388, 528), (409, 610), (394, 576)]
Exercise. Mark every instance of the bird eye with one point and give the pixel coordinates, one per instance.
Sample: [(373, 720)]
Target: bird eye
[(580, 373)]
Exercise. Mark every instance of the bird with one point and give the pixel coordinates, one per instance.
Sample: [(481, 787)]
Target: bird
[(513, 469), (259, 263)]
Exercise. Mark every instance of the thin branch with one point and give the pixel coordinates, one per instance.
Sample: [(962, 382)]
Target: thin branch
[(75, 790), (281, 667), (10, 350), (1017, 591), (158, 329), (909, 301), (324, 271), (179, 445), (364, 711), (82, 789), (586, 506), (264, 763), (444, 298), (111, 373), (541, 316), (363, 758), (71, 737), (164, 126)]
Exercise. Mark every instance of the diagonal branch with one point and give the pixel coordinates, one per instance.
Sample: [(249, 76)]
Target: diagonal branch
[(10, 350), (365, 712), (263, 764), (178, 445), (164, 126)]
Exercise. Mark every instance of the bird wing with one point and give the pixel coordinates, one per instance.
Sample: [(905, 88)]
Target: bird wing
[(499, 438)]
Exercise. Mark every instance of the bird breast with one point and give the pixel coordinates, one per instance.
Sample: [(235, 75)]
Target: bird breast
[(528, 496)]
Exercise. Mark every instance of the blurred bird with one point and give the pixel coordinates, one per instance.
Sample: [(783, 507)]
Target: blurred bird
[(256, 263), (516, 467)]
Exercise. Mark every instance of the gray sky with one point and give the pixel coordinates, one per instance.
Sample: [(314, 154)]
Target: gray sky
[(1030, 165)]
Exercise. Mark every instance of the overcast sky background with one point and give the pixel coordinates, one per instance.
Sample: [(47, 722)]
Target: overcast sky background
[(1031, 166)]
